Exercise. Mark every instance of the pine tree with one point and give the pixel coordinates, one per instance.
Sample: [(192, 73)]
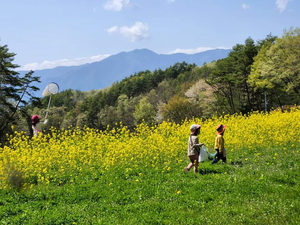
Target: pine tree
[(13, 90)]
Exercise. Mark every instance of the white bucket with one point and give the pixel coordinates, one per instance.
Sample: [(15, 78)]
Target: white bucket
[(203, 152)]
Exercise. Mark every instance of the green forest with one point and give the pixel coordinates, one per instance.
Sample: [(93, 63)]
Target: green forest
[(255, 76)]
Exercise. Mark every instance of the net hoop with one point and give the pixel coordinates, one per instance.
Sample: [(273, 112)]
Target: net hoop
[(51, 89)]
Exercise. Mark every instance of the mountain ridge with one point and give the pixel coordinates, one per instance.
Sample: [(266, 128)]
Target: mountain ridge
[(102, 74)]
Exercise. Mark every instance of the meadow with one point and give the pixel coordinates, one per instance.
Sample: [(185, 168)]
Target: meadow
[(86, 176)]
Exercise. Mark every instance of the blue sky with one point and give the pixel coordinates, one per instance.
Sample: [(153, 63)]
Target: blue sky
[(49, 33)]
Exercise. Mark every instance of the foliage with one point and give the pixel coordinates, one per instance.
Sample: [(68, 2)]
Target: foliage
[(201, 95), (277, 66), (107, 116), (13, 91), (144, 112), (177, 109), (118, 177), (229, 79)]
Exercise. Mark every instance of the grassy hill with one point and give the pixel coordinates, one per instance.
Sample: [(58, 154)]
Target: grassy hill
[(118, 177)]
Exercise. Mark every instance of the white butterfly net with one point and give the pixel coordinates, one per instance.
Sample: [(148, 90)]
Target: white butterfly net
[(51, 89)]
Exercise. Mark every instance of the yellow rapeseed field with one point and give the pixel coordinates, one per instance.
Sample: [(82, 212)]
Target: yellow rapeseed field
[(65, 154)]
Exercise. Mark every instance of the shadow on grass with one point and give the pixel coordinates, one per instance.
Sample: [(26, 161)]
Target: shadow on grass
[(237, 163), (220, 167), (212, 170)]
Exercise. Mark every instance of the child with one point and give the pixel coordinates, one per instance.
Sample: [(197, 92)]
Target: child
[(37, 125), (194, 148), (219, 144)]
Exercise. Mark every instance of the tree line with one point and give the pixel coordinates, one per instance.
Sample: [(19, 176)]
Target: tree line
[(259, 75)]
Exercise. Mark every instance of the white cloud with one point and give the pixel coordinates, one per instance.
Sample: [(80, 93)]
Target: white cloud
[(171, 1), (112, 30), (197, 50), (137, 32), (282, 4), (63, 62), (116, 5), (245, 6)]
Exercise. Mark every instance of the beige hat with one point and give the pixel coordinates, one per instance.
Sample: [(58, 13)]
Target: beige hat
[(194, 127)]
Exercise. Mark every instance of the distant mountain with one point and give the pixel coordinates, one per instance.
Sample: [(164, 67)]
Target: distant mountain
[(99, 75)]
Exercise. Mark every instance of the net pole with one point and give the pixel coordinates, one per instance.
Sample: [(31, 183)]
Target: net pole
[(48, 107)]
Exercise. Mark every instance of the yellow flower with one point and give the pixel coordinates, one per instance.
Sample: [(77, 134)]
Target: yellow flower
[(51, 157)]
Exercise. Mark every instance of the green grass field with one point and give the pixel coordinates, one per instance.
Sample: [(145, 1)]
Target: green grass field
[(250, 189)]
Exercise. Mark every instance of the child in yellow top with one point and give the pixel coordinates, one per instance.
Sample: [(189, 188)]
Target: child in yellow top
[(219, 145)]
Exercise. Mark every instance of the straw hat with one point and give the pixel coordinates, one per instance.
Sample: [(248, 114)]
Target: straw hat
[(194, 127), (220, 129)]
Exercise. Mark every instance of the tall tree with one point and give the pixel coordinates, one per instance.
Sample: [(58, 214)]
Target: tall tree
[(13, 90), (144, 111), (202, 98), (125, 109), (224, 81), (177, 109), (229, 79), (276, 68)]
